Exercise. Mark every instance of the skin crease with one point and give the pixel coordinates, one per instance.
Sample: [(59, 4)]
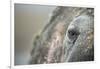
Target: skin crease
[(68, 37), (78, 50)]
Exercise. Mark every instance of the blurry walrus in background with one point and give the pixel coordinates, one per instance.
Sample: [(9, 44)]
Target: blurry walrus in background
[(67, 37)]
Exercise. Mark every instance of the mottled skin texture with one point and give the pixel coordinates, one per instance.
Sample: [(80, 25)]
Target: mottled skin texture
[(79, 45), (67, 37)]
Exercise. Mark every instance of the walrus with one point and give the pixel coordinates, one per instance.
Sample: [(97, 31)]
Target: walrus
[(67, 37)]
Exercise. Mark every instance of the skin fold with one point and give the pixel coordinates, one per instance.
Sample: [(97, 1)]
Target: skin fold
[(67, 37)]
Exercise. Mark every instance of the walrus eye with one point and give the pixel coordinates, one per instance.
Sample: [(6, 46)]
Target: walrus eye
[(73, 34)]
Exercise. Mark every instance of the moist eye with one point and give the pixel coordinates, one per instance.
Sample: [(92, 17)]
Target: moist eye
[(73, 34)]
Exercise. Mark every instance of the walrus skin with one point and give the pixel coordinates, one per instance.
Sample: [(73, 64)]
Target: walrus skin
[(67, 37)]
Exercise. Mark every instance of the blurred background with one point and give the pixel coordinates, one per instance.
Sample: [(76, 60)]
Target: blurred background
[(29, 20)]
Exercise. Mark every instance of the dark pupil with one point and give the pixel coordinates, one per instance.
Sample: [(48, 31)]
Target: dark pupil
[(73, 34)]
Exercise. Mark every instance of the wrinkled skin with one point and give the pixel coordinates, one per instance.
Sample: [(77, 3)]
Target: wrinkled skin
[(67, 37), (79, 39)]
